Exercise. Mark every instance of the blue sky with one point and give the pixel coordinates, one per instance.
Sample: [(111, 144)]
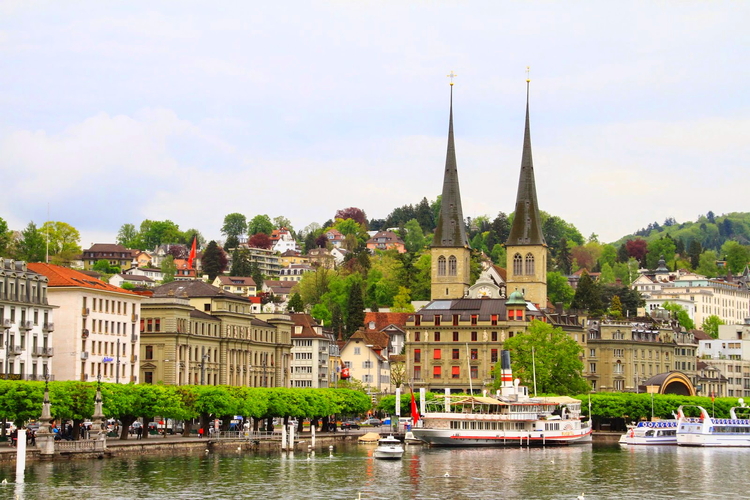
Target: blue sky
[(114, 112)]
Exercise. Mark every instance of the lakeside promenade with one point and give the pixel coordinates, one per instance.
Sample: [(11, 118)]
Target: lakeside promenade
[(160, 444)]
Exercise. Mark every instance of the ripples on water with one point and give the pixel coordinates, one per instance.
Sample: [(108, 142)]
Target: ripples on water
[(438, 473)]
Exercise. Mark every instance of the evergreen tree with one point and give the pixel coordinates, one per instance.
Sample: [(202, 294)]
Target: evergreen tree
[(615, 308), (355, 309), (241, 265), (231, 243), (256, 275), (564, 258), (694, 252), (337, 320), (214, 260), (295, 304), (587, 295), (31, 247)]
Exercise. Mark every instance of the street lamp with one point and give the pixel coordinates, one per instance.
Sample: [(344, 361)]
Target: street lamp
[(652, 389)]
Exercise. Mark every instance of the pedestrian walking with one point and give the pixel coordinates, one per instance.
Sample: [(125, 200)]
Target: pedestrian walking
[(200, 432)]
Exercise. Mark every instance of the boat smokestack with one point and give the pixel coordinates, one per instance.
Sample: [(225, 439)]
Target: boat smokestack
[(506, 374)]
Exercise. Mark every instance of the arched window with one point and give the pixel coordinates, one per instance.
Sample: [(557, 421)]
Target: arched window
[(529, 264), (452, 265), (517, 264), (441, 266)]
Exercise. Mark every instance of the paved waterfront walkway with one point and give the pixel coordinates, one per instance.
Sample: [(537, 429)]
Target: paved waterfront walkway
[(155, 439)]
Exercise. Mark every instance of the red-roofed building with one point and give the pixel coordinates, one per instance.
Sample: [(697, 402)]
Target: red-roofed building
[(96, 326), (365, 354), (392, 324), (26, 322)]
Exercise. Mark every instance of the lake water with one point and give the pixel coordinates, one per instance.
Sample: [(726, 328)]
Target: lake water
[(598, 471)]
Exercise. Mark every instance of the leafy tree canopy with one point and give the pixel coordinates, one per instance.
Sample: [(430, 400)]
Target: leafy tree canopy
[(260, 224), (235, 224), (555, 358)]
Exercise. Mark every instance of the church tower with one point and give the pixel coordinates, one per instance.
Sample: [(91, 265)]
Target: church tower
[(526, 248), (450, 246)]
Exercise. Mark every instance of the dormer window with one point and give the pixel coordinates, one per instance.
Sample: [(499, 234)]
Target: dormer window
[(372, 325)]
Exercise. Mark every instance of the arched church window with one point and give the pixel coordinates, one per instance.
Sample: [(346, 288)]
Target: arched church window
[(517, 264), (529, 264), (441, 266), (452, 265)]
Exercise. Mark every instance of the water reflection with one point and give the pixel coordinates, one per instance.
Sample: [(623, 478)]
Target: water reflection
[(424, 473)]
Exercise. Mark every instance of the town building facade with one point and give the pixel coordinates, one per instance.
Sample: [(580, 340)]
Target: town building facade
[(26, 323), (95, 334)]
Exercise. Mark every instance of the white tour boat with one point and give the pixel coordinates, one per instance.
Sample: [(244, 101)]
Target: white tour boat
[(707, 431), (511, 418), (389, 448), (659, 432)]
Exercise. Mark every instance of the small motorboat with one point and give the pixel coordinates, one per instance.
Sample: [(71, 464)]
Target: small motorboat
[(389, 448), (410, 439)]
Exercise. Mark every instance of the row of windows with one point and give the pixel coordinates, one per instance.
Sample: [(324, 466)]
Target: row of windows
[(12, 315), (455, 354), (457, 337), (474, 319), (109, 306), (437, 372)]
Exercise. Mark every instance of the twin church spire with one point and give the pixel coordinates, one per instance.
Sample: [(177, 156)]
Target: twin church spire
[(450, 247)]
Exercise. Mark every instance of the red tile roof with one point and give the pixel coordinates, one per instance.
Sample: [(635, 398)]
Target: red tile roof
[(384, 319), (65, 277)]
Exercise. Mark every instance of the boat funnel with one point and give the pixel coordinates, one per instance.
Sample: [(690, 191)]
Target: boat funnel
[(506, 374)]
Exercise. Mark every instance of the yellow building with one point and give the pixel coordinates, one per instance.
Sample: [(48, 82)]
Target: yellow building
[(195, 333)]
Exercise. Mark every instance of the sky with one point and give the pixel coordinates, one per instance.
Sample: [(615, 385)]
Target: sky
[(119, 111)]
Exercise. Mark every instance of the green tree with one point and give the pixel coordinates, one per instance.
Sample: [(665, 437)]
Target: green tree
[(707, 264), (587, 295), (295, 303), (260, 224), (736, 255), (607, 275), (564, 258), (555, 359), (257, 276), (711, 326), (168, 269), (241, 265), (402, 301), (608, 255), (355, 308), (31, 246), (663, 246), (615, 308), (214, 260), (558, 289), (234, 225), (154, 233), (129, 237), (680, 314), (694, 251), (6, 236), (63, 241), (415, 240)]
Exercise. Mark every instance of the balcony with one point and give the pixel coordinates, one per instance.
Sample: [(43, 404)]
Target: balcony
[(48, 327), (15, 350), (43, 351), (133, 358), (85, 312), (7, 323), (85, 333), (85, 355), (133, 317), (25, 325), (134, 338)]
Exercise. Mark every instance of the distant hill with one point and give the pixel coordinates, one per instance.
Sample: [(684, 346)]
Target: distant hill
[(710, 230)]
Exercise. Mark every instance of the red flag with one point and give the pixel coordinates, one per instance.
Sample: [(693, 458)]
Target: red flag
[(191, 257), (414, 410)]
